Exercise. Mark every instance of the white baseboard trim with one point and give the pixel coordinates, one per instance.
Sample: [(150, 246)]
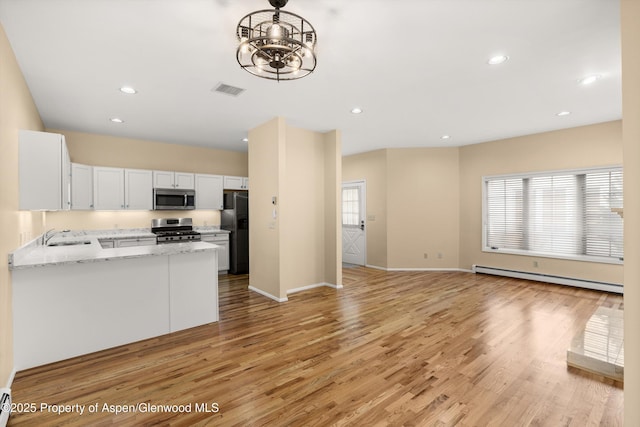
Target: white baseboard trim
[(464, 270), (267, 294), (426, 269), (316, 285), (548, 278), (294, 290), (376, 267), (12, 375)]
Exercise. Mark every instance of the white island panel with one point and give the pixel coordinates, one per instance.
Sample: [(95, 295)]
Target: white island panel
[(193, 301), (62, 311)]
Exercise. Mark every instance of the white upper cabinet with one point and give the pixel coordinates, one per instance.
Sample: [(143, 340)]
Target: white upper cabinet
[(108, 188), (185, 181), (81, 187), (209, 192), (117, 189), (44, 171), (168, 179), (163, 179), (236, 183), (138, 189)]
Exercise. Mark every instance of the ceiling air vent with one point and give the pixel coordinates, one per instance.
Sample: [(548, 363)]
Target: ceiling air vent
[(228, 89)]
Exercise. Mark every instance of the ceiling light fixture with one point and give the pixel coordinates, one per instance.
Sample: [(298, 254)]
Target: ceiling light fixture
[(276, 45), (445, 137), (589, 79), (245, 139), (116, 120), (356, 110), (498, 59), (128, 90), (563, 113)]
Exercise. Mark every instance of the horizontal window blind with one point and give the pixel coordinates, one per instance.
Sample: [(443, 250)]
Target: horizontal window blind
[(566, 214)]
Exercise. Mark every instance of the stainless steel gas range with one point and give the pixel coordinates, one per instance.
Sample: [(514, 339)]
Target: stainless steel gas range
[(174, 230)]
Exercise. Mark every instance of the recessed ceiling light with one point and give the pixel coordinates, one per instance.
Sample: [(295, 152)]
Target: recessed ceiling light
[(356, 110), (498, 59), (589, 79), (245, 139), (445, 137), (128, 90), (116, 120), (563, 113)]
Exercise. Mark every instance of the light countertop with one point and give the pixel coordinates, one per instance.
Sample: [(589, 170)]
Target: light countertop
[(209, 230), (34, 254)]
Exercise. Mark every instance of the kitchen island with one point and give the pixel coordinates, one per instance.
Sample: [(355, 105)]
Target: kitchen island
[(78, 297)]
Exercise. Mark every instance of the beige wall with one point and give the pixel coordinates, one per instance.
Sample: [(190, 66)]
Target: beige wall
[(422, 209), (104, 150), (332, 207), (266, 167), (302, 210), (372, 168), (17, 111), (630, 12), (299, 167), (587, 146), (429, 200)]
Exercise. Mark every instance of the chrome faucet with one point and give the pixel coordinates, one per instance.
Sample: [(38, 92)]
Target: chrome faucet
[(46, 237)]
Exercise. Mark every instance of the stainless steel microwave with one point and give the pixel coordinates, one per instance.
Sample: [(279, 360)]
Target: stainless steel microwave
[(173, 199)]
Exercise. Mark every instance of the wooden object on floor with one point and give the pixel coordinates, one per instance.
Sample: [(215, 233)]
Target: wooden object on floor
[(391, 348)]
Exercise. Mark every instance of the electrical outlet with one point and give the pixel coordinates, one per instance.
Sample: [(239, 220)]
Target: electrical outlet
[(440, 256), (535, 264), (426, 256)]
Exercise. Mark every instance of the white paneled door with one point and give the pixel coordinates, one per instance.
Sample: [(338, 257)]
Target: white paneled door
[(353, 222)]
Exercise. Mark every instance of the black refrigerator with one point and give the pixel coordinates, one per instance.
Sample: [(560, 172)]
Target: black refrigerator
[(235, 218)]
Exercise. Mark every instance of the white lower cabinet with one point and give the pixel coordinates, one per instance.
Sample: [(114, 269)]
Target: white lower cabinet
[(113, 242), (143, 241), (222, 240)]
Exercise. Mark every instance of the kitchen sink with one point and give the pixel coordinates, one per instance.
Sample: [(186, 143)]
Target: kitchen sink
[(76, 243)]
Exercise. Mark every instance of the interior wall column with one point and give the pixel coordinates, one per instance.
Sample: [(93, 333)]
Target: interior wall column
[(630, 16)]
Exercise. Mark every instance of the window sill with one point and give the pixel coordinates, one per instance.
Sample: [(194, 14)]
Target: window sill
[(582, 258)]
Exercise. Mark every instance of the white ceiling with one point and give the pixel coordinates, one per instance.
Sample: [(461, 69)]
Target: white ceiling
[(416, 67)]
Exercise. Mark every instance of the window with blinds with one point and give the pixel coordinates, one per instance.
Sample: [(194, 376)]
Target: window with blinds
[(562, 214)]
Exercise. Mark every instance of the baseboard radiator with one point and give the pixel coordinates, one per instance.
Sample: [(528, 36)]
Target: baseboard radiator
[(548, 278), (5, 406)]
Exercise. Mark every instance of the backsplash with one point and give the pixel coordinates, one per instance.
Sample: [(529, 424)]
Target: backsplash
[(101, 220)]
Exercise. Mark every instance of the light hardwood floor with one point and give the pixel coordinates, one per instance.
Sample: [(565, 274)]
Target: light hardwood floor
[(391, 348)]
